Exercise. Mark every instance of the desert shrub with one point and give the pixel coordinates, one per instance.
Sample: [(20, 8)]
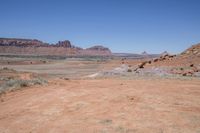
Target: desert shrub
[(5, 78), (129, 70), (38, 81), (106, 121), (12, 84), (5, 68), (24, 84), (15, 84)]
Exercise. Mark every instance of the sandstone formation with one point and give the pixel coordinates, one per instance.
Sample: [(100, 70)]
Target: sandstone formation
[(20, 42), (192, 51), (96, 50), (186, 64), (36, 47)]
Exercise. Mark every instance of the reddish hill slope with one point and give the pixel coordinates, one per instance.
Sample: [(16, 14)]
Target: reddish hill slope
[(186, 58), (192, 51)]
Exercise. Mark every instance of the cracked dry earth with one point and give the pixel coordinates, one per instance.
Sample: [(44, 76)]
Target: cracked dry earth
[(103, 106)]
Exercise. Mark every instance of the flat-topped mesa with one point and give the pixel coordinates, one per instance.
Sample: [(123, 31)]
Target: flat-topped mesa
[(97, 50), (35, 47), (32, 42), (21, 42)]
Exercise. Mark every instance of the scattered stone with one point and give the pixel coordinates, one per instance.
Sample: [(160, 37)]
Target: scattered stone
[(142, 64), (184, 74), (195, 69), (197, 74), (149, 62), (155, 60), (66, 79)]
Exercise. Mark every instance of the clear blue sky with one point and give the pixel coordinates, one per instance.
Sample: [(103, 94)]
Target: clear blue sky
[(122, 25)]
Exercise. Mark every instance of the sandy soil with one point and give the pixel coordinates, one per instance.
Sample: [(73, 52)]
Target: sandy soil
[(70, 68), (103, 106), (71, 103)]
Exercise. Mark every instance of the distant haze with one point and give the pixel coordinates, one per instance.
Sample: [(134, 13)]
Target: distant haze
[(131, 26)]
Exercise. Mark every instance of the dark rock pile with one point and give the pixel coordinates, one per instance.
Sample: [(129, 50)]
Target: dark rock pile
[(164, 57)]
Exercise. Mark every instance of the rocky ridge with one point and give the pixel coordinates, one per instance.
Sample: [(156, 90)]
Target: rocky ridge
[(192, 51), (37, 47)]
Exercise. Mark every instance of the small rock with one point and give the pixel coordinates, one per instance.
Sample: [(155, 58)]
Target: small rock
[(66, 78), (184, 74), (149, 62), (155, 60), (2, 100), (142, 64)]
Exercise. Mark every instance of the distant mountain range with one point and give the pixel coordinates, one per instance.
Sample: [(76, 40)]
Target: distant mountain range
[(17, 46), (135, 56)]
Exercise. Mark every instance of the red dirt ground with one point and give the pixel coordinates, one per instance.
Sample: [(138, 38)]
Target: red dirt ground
[(105, 105)]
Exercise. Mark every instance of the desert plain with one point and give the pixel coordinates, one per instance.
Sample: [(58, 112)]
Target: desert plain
[(100, 95)]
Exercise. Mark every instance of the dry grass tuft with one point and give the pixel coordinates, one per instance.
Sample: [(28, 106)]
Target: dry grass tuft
[(15, 84)]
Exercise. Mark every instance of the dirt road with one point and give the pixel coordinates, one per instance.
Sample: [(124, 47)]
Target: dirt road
[(104, 105)]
